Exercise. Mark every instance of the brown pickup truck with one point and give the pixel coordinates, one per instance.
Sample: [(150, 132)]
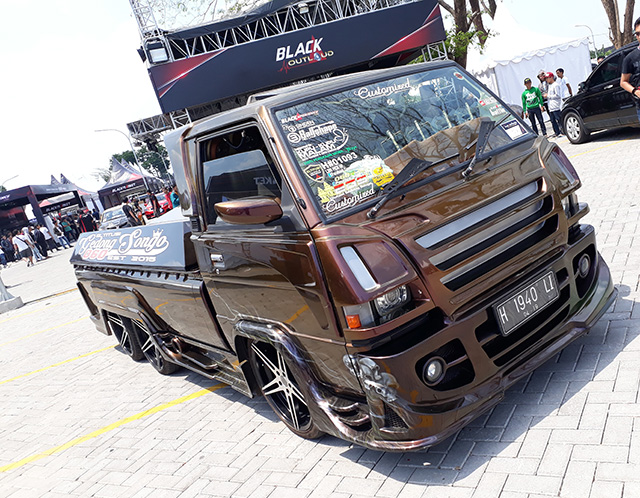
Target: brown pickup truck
[(381, 255)]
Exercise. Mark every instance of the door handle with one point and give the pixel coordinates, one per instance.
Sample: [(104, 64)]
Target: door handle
[(608, 87)]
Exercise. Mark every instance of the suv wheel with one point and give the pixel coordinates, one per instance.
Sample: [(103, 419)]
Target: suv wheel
[(574, 128)]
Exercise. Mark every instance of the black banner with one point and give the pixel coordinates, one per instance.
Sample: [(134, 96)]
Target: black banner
[(273, 61)]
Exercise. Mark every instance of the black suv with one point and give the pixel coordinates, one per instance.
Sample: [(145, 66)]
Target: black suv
[(600, 102)]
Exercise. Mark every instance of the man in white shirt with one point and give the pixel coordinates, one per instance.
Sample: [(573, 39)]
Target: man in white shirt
[(554, 97), (23, 246), (51, 244), (564, 84)]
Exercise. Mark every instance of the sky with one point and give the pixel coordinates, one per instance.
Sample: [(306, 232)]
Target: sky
[(70, 67)]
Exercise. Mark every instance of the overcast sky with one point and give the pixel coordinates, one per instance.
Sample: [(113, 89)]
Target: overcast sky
[(70, 67)]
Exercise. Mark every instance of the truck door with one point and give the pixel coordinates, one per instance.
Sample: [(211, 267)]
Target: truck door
[(265, 272)]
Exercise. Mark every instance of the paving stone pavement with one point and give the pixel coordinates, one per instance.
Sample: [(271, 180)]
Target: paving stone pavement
[(79, 418)]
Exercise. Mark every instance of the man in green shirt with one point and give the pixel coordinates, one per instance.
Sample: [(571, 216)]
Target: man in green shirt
[(532, 106)]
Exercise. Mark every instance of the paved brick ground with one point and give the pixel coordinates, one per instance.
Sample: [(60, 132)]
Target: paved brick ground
[(78, 418)]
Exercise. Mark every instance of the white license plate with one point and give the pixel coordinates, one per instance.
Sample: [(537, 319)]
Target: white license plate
[(526, 303)]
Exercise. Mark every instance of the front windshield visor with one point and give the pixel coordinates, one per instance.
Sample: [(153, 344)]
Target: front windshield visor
[(349, 145)]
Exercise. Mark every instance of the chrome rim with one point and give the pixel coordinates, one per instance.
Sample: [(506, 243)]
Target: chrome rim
[(572, 127), (121, 332), (150, 350), (280, 386)]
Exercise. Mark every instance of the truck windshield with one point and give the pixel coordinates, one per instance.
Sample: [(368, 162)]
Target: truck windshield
[(349, 145)]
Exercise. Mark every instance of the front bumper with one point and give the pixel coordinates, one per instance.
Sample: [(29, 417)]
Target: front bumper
[(405, 414)]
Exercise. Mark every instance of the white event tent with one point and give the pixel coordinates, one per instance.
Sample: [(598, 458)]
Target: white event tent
[(510, 56)]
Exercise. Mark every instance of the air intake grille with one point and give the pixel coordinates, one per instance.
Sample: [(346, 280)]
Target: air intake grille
[(482, 240)]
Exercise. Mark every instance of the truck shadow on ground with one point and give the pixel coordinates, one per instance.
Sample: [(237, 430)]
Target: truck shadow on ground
[(545, 406)]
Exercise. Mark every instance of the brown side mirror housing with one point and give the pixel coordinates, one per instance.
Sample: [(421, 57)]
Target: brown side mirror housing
[(251, 211)]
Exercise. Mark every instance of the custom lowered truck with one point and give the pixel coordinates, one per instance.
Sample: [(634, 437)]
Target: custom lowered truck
[(381, 255)]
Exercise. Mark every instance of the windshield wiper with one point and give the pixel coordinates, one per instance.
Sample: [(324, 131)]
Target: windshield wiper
[(486, 128), (411, 170)]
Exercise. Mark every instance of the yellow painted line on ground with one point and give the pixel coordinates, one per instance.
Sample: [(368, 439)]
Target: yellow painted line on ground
[(43, 331), (297, 313), (599, 148), (56, 365), (110, 427), (39, 310)]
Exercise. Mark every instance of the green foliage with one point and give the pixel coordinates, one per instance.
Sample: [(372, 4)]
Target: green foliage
[(3, 188)]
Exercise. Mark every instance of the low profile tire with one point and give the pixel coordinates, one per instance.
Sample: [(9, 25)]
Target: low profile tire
[(151, 352), (281, 389), (122, 329), (574, 128)]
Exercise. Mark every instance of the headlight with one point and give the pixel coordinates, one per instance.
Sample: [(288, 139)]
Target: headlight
[(386, 306), (392, 300), (570, 204)]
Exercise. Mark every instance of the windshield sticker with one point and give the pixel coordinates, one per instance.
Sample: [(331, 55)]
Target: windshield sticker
[(513, 129), (497, 110), (381, 91), (458, 75), (314, 172), (297, 136), (313, 151), (339, 204), (298, 117), (332, 154)]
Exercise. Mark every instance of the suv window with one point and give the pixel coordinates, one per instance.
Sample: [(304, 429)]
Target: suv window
[(237, 165), (608, 70)]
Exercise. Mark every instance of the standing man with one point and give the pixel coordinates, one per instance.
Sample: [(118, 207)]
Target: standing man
[(543, 87), (554, 96), (48, 239), (23, 247), (564, 84), (532, 105), (630, 79), (7, 247), (175, 196), (130, 213)]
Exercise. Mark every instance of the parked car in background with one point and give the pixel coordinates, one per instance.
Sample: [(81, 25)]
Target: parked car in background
[(113, 218), (600, 102), (148, 208)]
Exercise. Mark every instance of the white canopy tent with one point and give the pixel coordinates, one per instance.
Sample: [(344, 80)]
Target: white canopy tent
[(508, 58)]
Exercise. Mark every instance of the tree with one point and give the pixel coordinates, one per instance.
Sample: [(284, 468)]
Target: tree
[(468, 26), (3, 188), (174, 14), (618, 37), (155, 162)]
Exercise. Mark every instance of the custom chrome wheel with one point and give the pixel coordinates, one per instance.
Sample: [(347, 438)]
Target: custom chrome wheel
[(121, 328), (281, 389), (151, 351)]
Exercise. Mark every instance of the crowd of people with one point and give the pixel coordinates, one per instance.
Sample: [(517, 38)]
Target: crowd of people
[(138, 211), (33, 243), (548, 97)]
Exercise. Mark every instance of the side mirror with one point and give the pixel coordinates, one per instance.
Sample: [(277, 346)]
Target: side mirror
[(250, 211), (581, 86)]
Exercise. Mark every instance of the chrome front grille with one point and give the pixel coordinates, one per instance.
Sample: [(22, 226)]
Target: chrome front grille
[(480, 241)]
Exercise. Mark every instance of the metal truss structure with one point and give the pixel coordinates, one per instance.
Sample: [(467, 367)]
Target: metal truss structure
[(287, 19), (290, 18), (147, 25)]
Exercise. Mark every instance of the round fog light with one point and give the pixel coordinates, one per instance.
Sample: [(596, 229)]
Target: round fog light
[(584, 264), (433, 370)]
